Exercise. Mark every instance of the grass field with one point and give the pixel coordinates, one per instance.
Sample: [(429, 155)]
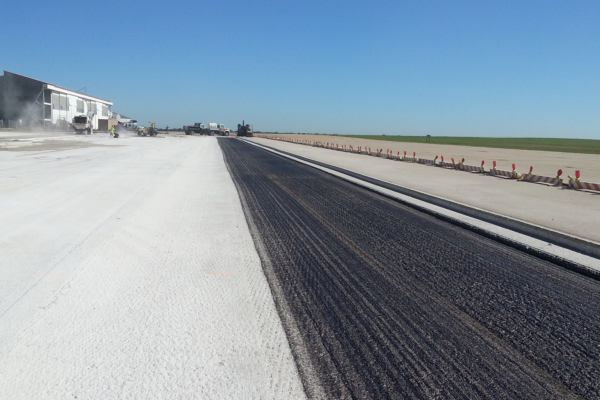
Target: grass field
[(587, 146)]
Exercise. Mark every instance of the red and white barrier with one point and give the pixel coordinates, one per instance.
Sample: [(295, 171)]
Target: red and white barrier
[(425, 161), (574, 183), (406, 158), (506, 174), (446, 165), (470, 168), (542, 179), (578, 185)]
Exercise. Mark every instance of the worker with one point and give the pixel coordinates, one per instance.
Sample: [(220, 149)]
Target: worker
[(112, 131)]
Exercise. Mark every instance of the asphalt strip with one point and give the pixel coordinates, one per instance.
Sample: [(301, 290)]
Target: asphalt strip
[(570, 259)]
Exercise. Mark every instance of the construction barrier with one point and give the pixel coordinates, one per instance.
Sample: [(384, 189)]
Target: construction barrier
[(470, 168), (575, 184), (542, 179), (425, 161), (506, 174), (446, 165)]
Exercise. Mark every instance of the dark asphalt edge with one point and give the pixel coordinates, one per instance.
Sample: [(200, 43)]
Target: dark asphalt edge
[(470, 212), (309, 378)]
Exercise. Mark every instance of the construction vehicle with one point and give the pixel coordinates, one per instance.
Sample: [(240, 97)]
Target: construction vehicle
[(212, 129), (245, 130), (151, 131), (217, 129), (198, 127), (223, 131), (84, 123)]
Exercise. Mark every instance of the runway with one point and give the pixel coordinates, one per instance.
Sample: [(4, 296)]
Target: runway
[(382, 301), (128, 272)]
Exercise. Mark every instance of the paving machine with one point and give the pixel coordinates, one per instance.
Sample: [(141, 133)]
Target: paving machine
[(244, 130)]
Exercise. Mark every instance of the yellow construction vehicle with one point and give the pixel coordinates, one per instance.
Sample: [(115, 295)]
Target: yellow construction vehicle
[(151, 131)]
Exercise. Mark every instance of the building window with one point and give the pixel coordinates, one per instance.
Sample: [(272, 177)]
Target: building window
[(47, 96), (63, 102), (79, 106), (104, 111), (55, 105)]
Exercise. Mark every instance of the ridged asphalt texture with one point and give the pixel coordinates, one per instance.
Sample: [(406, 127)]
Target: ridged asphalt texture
[(380, 301)]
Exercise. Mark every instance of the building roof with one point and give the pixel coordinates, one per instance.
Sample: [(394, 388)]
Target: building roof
[(53, 86)]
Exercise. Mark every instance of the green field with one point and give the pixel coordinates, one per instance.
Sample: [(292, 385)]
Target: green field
[(587, 146)]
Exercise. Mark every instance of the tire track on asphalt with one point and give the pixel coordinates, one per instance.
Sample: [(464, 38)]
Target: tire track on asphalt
[(393, 303)]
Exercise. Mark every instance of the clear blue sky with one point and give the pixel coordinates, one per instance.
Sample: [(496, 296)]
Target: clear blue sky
[(452, 68)]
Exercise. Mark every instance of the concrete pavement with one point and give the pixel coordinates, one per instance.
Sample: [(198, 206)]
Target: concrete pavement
[(128, 271)]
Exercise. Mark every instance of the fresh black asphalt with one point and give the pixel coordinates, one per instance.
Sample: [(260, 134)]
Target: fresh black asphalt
[(381, 301)]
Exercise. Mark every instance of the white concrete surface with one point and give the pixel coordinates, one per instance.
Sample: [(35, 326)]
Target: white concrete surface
[(128, 272), (572, 212)]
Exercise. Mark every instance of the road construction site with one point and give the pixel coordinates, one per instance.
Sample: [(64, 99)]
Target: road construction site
[(128, 271), (567, 211), (387, 302), (194, 267)]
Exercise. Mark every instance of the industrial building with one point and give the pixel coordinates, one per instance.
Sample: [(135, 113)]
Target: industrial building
[(30, 102)]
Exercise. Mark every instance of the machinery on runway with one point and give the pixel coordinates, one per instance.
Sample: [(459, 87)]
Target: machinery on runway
[(83, 123), (244, 130), (151, 131), (198, 127), (212, 129), (223, 131), (218, 129)]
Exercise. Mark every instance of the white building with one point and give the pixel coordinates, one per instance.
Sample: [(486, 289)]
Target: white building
[(30, 102)]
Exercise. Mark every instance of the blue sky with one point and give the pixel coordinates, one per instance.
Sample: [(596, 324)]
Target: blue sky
[(446, 68)]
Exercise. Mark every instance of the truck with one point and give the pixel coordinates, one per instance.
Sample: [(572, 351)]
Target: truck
[(212, 129), (198, 127), (83, 123), (218, 129), (223, 131)]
